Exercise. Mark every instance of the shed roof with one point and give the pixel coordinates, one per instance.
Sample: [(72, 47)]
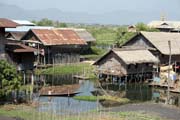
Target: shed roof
[(24, 22), (26, 28), (6, 23), (19, 48), (133, 56), (160, 41), (58, 37)]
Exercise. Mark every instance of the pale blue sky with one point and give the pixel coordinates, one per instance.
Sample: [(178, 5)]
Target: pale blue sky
[(99, 6), (94, 11)]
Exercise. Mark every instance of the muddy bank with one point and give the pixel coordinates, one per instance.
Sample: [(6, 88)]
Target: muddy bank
[(164, 111)]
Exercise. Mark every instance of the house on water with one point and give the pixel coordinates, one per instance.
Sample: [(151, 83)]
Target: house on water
[(4, 23), (21, 56), (157, 44), (12, 50), (55, 45), (126, 64), (24, 26)]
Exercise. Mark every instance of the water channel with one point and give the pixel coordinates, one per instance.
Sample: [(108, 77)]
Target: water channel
[(68, 105)]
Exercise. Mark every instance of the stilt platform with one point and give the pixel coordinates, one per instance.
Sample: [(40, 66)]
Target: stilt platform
[(160, 85)]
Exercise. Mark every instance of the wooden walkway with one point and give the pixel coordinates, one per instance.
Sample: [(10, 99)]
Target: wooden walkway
[(172, 88)]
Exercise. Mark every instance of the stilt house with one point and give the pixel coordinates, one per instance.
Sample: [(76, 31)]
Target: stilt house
[(126, 63), (55, 45), (157, 43)]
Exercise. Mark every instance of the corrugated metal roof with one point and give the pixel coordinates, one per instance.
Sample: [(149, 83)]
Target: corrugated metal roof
[(58, 37), (160, 41), (24, 22), (83, 33), (26, 28), (6, 23), (19, 48)]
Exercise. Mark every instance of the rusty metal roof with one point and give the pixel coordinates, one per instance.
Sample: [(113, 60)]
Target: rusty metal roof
[(6, 23), (15, 35), (58, 37), (19, 48)]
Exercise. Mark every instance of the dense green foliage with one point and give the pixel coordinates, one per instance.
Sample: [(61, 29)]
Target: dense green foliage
[(47, 22), (144, 27), (122, 35), (9, 79)]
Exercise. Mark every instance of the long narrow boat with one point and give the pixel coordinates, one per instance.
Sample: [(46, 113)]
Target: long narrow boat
[(64, 90)]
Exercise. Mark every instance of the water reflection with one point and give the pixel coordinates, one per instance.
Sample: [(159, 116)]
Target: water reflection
[(134, 92), (68, 105)]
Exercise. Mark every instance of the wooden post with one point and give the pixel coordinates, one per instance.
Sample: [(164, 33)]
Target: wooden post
[(126, 83), (24, 77), (168, 93), (32, 78)]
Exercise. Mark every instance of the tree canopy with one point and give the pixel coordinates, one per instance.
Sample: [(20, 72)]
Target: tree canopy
[(48, 22), (9, 78)]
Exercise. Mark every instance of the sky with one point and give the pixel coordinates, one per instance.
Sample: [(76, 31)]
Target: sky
[(95, 11), (99, 6)]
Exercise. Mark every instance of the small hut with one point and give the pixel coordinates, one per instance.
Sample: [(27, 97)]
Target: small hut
[(21, 56), (127, 63)]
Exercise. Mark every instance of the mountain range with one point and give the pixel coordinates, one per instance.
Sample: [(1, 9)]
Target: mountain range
[(115, 17)]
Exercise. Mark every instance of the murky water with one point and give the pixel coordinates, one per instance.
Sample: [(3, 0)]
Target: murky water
[(68, 105)]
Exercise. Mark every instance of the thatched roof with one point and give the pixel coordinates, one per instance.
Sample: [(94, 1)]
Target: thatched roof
[(160, 41), (132, 56), (136, 56)]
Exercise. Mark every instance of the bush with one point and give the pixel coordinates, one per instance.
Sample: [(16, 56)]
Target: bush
[(9, 79)]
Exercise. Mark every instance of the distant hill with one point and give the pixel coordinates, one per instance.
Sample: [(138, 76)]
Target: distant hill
[(116, 17)]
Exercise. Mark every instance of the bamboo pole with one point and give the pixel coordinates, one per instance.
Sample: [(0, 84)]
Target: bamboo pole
[(168, 92)]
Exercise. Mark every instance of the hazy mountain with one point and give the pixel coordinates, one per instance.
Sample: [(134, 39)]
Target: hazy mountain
[(116, 17)]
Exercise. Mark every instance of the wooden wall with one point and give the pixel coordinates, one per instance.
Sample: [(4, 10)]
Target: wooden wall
[(112, 63), (2, 43)]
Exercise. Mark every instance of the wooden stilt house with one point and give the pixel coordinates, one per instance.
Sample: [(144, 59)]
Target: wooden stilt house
[(126, 63), (55, 45), (157, 43)]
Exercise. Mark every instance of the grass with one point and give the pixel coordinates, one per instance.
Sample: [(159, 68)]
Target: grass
[(86, 98), (65, 69), (107, 97), (29, 113)]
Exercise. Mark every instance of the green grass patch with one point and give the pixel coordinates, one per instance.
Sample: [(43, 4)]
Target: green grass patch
[(29, 113), (86, 98), (77, 68), (95, 98)]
